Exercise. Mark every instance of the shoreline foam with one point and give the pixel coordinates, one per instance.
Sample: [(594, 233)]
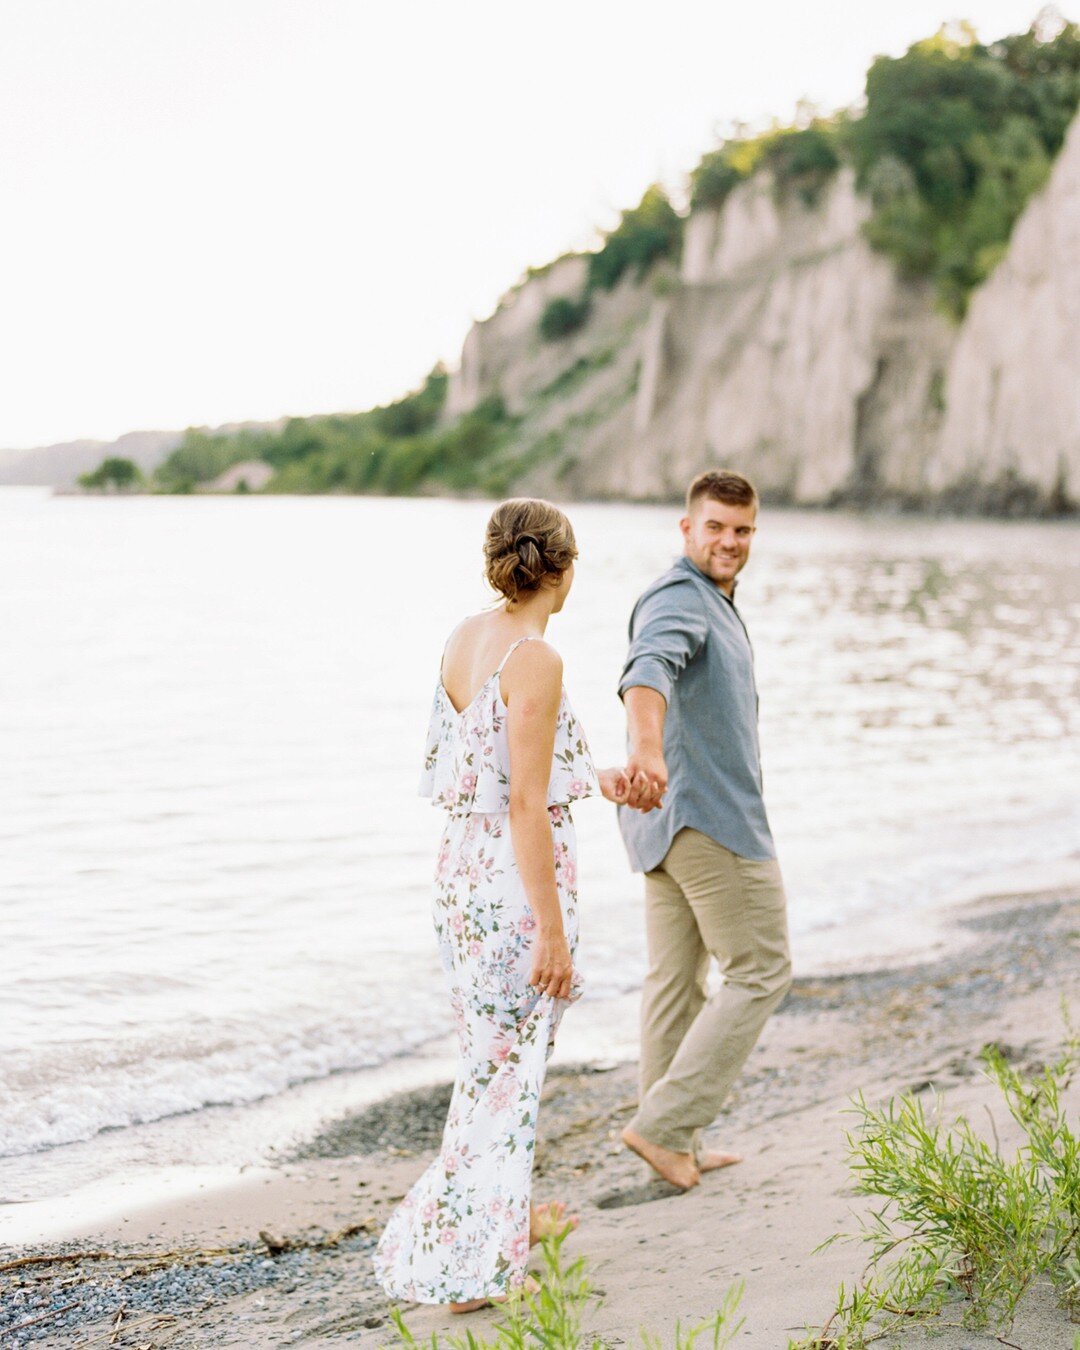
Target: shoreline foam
[(225, 1140), (909, 1028)]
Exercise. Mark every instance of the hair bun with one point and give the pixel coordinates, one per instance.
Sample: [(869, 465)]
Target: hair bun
[(528, 542)]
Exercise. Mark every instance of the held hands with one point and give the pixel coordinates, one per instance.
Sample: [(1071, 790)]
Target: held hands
[(552, 967), (648, 776), (641, 784)]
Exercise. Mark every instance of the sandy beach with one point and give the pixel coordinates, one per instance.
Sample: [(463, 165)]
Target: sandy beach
[(282, 1255)]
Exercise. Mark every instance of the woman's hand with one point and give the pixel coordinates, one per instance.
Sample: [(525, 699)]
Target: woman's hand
[(552, 968), (615, 785)]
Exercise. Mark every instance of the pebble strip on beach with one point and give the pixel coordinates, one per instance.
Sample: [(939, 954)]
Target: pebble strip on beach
[(920, 1009), (77, 1297)]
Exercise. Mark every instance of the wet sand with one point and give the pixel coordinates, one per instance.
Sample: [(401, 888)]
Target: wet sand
[(282, 1254)]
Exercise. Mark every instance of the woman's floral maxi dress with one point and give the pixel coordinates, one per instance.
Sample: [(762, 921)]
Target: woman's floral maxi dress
[(462, 1232)]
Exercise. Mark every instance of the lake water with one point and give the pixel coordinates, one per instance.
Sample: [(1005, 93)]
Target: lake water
[(214, 867)]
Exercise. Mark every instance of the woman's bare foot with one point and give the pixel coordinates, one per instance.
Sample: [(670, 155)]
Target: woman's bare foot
[(550, 1219), (475, 1304), (530, 1286), (677, 1168), (711, 1162)]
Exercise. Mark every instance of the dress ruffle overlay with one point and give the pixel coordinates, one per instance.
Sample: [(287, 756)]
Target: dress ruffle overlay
[(462, 1232)]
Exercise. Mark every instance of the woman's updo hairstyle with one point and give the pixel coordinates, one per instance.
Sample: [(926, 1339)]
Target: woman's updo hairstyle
[(527, 541)]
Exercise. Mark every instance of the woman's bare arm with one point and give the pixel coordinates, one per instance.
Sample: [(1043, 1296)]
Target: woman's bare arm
[(531, 689)]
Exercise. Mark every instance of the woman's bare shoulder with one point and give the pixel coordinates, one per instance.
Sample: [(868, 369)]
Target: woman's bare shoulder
[(533, 666)]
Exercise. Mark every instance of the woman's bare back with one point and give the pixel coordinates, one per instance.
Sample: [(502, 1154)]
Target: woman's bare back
[(473, 653)]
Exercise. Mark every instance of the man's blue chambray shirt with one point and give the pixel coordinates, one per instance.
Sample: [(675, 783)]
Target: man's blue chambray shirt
[(688, 642)]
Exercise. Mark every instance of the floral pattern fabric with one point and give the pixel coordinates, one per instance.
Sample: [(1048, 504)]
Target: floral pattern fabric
[(467, 763), (462, 1232)]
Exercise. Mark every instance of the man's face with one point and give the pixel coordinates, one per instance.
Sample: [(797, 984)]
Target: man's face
[(717, 537)]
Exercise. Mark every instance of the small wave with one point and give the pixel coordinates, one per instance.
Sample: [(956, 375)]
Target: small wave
[(82, 1090)]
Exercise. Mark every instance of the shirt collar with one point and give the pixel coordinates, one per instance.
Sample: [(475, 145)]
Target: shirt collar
[(695, 570)]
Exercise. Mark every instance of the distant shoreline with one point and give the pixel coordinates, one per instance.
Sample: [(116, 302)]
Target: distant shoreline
[(885, 507)]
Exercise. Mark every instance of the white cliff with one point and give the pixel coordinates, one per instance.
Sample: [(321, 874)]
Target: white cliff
[(777, 350), (787, 348), (1013, 384), (492, 357)]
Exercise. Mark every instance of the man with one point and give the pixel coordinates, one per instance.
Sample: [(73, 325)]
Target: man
[(712, 882)]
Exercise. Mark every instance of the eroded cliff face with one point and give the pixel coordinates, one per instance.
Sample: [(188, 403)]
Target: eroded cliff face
[(1013, 382), (497, 352), (786, 348), (790, 351)]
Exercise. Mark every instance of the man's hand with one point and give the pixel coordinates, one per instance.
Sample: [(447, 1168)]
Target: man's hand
[(648, 776), (645, 711)]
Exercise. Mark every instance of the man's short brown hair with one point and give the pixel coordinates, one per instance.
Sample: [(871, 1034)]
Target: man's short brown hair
[(721, 485)]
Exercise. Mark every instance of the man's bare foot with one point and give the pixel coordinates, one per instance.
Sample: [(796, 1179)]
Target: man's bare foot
[(550, 1219), (677, 1168), (530, 1286), (711, 1162)]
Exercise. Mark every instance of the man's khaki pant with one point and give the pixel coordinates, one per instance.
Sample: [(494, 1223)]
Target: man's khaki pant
[(703, 900)]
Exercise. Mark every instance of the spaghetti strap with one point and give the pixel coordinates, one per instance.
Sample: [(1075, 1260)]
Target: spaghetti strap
[(529, 637)]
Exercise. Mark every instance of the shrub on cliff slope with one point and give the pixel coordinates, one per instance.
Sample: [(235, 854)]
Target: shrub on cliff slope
[(645, 234), (954, 139), (563, 316), (649, 231), (416, 412), (802, 159), (964, 134)]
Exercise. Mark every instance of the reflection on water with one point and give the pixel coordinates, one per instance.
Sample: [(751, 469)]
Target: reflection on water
[(216, 869)]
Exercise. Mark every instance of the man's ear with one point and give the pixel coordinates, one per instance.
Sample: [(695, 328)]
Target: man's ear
[(684, 526)]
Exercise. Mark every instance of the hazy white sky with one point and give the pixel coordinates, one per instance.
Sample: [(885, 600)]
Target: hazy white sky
[(226, 209)]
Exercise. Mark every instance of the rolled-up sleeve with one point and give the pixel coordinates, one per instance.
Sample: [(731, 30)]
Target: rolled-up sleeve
[(666, 632)]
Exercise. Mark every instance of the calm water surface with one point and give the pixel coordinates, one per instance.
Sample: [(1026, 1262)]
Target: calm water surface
[(214, 868)]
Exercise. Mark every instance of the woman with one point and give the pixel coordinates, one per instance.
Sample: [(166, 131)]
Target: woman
[(505, 758)]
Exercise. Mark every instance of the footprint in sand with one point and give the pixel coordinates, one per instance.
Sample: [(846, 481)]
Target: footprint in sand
[(638, 1195)]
